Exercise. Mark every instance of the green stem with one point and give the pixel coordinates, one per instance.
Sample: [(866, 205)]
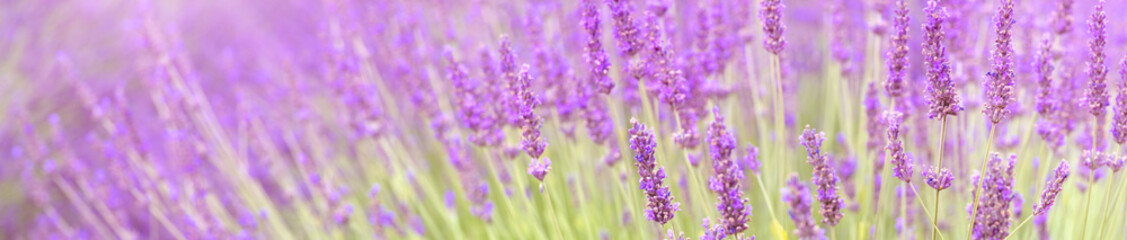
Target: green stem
[(552, 209), (1091, 182), (938, 166), (779, 113), (1019, 226), (1088, 203), (1107, 201), (1114, 207), (767, 200), (934, 225)]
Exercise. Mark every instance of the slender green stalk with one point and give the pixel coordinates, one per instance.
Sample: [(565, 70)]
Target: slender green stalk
[(767, 200), (977, 184), (1091, 182), (1087, 204), (1107, 205), (1114, 207), (1019, 226), (903, 221), (939, 165), (780, 126), (934, 225), (552, 209)]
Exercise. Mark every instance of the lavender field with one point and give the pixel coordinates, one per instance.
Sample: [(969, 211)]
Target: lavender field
[(575, 119)]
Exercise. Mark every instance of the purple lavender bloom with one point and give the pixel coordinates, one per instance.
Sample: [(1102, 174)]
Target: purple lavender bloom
[(727, 176), (938, 179), (1115, 162), (661, 206), (1092, 160), (1042, 228), (595, 55), (473, 114), (1097, 72), (942, 98), (474, 187), (771, 14), (797, 197), (658, 7), (687, 137), (993, 220), (670, 235), (898, 52), (673, 90), (1045, 102), (713, 232), (1052, 188), (1062, 17), (1000, 86), (530, 123), (874, 123), (1119, 119), (1018, 203), (626, 28), (839, 45), (901, 161), (750, 159), (596, 115), (510, 99), (539, 168), (824, 176)]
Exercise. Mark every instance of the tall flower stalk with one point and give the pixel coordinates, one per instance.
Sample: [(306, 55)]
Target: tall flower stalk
[(727, 176), (661, 206), (1053, 186), (825, 178), (1097, 87), (943, 99), (771, 16)]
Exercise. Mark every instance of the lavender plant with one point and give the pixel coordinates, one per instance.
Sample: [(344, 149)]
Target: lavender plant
[(346, 119)]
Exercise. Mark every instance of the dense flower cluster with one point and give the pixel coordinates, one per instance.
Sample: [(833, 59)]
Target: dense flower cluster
[(261, 119), (1000, 86), (825, 179), (797, 198), (727, 176), (898, 53), (942, 99), (993, 220), (1053, 186), (661, 206)]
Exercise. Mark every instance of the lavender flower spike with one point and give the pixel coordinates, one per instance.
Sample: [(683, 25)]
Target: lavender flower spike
[(1045, 102), (824, 177), (901, 162), (993, 220), (797, 196), (750, 159), (1119, 119), (539, 169), (661, 206), (530, 123), (1000, 86), (595, 55), (942, 98), (1052, 189), (898, 52), (626, 30), (727, 176), (874, 123), (938, 179), (1097, 72), (771, 14)]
